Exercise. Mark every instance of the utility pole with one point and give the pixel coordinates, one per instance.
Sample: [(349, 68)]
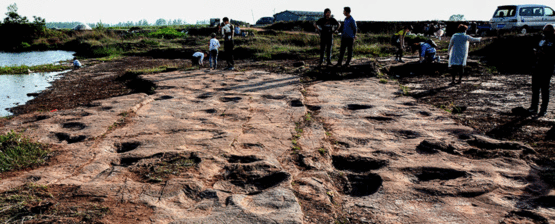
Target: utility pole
[(254, 21)]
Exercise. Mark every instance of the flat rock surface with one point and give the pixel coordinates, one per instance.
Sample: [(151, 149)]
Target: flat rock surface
[(260, 147)]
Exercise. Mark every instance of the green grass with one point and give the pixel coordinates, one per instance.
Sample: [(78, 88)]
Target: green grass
[(24, 69), (167, 33), (19, 152), (322, 151), (159, 69), (383, 81), (405, 90)]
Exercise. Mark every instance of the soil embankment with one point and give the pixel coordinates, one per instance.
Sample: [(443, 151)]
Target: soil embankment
[(260, 147)]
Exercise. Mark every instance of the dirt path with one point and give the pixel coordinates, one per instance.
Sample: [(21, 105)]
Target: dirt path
[(260, 147)]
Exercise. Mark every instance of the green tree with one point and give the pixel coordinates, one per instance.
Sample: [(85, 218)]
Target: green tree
[(457, 17), (14, 17)]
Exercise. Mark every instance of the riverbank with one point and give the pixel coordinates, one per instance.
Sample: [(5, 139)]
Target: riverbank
[(24, 69)]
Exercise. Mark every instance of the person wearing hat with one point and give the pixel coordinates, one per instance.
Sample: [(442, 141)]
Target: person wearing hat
[(428, 52), (399, 41)]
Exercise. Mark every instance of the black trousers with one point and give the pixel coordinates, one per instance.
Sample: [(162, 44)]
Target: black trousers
[(400, 50), (457, 70), (346, 43), (326, 46), (228, 48), (541, 80)]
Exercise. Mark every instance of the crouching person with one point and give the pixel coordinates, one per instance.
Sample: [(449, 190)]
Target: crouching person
[(198, 58), (76, 64), (541, 76), (428, 52)]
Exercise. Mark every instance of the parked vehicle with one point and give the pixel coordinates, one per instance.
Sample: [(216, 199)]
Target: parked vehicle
[(522, 18), (265, 21), (484, 29)]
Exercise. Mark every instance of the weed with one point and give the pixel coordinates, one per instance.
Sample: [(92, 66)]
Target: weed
[(294, 141), (328, 134), (18, 152), (383, 81), (405, 90), (322, 151), (308, 117)]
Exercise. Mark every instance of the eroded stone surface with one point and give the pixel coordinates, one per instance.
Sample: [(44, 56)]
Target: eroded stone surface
[(267, 149)]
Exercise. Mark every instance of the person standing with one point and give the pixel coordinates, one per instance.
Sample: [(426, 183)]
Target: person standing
[(327, 26), (399, 41), (348, 37), (214, 45), (228, 34), (458, 51), (541, 76)]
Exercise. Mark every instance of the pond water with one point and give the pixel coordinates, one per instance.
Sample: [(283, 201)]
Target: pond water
[(14, 88), (34, 57)]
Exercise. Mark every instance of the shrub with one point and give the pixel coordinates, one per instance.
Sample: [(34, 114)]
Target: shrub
[(167, 33)]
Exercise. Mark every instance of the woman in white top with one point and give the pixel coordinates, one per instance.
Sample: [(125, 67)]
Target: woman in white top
[(458, 51)]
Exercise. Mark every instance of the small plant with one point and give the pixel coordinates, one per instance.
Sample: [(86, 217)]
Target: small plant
[(328, 134), (383, 81), (308, 117), (294, 141), (322, 151), (405, 90), (18, 152)]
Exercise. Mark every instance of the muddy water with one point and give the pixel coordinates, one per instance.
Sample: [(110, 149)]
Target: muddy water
[(34, 58), (14, 88)]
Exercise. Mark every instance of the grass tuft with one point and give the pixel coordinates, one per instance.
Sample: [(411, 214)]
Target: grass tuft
[(18, 152)]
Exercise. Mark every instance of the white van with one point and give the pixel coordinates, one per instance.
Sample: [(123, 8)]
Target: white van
[(522, 18)]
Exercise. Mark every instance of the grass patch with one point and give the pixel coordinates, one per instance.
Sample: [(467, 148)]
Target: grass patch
[(383, 81), (24, 69), (322, 151), (167, 33), (159, 69), (405, 90), (18, 152)]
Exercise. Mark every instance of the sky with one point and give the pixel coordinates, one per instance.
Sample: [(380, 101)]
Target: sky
[(114, 11)]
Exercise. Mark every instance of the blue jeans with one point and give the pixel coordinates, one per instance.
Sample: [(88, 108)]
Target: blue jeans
[(213, 57)]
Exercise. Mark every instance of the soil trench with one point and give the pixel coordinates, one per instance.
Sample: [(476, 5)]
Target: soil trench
[(259, 147)]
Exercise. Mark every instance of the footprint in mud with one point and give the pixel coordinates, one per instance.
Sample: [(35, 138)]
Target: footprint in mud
[(211, 111), (230, 99), (249, 176), (70, 139), (74, 126), (313, 108), (244, 159), (106, 108), (164, 98), (205, 95), (274, 97), (357, 164), (432, 173), (379, 118), (296, 103), (126, 146), (358, 107), (408, 134)]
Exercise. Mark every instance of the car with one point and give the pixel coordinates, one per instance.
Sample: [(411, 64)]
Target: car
[(265, 21), (522, 18)]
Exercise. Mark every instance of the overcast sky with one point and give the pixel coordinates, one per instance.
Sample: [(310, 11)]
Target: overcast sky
[(114, 11)]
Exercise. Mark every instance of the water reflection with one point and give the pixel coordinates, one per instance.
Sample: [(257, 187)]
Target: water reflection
[(34, 58), (14, 88)]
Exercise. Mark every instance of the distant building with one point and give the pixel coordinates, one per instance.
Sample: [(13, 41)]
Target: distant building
[(265, 21), (298, 16)]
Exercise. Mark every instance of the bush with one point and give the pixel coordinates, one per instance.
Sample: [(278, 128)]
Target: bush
[(167, 33), (18, 152)]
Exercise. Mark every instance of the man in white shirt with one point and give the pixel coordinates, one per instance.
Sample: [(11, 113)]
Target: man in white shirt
[(198, 58), (214, 45)]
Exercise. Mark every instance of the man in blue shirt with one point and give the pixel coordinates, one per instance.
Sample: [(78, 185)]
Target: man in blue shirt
[(348, 37)]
